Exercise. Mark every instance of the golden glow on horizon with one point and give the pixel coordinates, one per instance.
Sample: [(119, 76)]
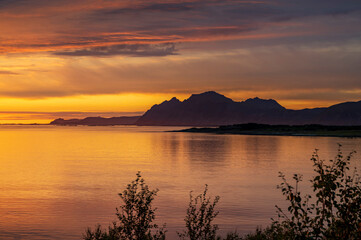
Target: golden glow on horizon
[(42, 111), (129, 102)]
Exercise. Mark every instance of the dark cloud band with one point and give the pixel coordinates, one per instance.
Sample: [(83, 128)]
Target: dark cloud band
[(133, 50)]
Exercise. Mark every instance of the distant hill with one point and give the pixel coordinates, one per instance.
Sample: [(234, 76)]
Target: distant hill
[(214, 109), (97, 121), (281, 130)]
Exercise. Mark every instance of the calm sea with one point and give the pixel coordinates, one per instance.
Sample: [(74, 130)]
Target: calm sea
[(56, 181)]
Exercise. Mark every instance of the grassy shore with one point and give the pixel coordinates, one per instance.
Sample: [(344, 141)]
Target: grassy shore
[(281, 130)]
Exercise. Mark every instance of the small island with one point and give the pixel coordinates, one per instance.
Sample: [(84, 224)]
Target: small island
[(281, 130), (97, 121)]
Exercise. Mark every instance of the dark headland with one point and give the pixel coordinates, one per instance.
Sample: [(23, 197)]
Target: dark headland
[(282, 130), (97, 121), (213, 109)]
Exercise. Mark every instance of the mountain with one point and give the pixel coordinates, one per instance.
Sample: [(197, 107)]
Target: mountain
[(97, 121), (214, 109)]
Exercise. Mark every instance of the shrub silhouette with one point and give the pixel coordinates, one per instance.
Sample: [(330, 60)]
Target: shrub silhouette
[(200, 215), (336, 211), (135, 215)]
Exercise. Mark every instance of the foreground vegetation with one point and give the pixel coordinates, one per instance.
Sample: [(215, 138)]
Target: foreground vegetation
[(332, 212), (282, 130)]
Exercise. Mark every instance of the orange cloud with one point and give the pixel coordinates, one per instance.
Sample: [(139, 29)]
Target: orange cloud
[(44, 26)]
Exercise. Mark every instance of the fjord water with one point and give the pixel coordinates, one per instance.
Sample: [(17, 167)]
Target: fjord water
[(55, 181)]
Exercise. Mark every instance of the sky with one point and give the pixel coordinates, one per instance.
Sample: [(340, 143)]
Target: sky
[(76, 58)]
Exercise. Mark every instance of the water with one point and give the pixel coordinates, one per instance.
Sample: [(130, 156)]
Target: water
[(56, 181)]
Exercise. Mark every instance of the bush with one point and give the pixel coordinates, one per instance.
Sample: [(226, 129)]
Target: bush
[(335, 213), (200, 215), (135, 215)]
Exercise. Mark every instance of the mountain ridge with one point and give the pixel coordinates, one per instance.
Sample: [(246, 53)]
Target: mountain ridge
[(214, 109)]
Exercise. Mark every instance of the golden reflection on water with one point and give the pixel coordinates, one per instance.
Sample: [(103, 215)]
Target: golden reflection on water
[(56, 181)]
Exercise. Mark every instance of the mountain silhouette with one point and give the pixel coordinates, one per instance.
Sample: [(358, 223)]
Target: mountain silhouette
[(214, 109)]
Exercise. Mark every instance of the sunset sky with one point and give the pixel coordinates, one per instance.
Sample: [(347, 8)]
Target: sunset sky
[(74, 58)]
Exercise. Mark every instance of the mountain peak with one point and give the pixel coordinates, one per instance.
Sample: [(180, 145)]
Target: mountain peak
[(208, 97), (264, 103), (257, 99), (167, 104), (174, 99)]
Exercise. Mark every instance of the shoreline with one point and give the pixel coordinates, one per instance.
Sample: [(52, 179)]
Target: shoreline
[(250, 129), (274, 134), (281, 130)]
